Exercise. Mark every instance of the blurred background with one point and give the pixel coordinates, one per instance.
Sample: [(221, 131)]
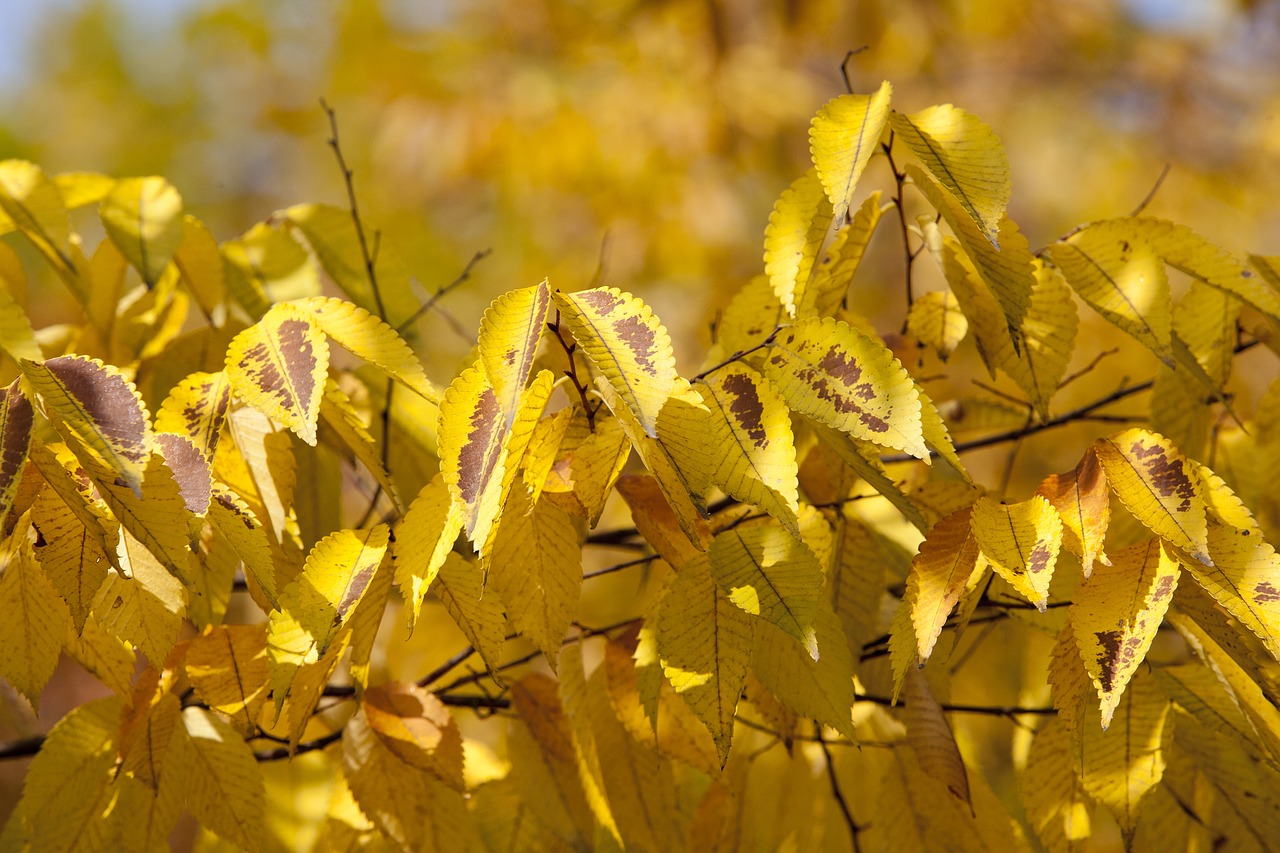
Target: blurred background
[(643, 141)]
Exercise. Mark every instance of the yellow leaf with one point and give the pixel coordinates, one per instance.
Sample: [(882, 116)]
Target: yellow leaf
[(1082, 499), (202, 268), (342, 425), (936, 321), (705, 646), (1021, 541), (473, 433), (35, 620), (931, 738), (17, 338), (197, 408), (34, 204), (147, 726), (533, 401), (417, 728), (278, 366), (1120, 275), (408, 804), (145, 609), (143, 217), (264, 263), (316, 606), (1243, 575), (797, 230), (964, 156), (825, 369), (677, 458), (751, 431), (657, 522), (72, 558), (83, 188), (100, 411), (589, 462), (544, 760), (331, 235), (369, 338), (225, 790), (110, 659), (856, 578), (818, 688), (1006, 270), (1124, 763), (575, 701), (940, 572), (769, 573), (364, 624), (1153, 480), (424, 538), (1115, 616), (64, 790), (244, 532), (460, 587), (1205, 320), (535, 565), (540, 454), (834, 271), (227, 667), (751, 316), (1069, 682), (864, 458), (842, 137), (1057, 806), (628, 348), (509, 334)]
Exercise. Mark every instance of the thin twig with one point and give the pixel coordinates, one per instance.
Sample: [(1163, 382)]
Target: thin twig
[(572, 372), (1097, 359), (899, 180), (1010, 711), (617, 567), (844, 66), (1142, 205), (854, 829), (739, 355), (440, 293)]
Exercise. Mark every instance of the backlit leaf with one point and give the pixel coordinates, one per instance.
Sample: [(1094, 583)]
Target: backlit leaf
[(343, 427), (225, 790), (963, 155), (72, 558), (931, 737), (1243, 575), (476, 611), (16, 420), (17, 338), (1154, 481), (316, 606), (1116, 613), (99, 409), (1007, 270), (34, 625), (935, 320), (200, 262), (196, 408), (246, 535), (227, 667), (424, 538), (628, 348), (587, 464), (940, 572), (769, 573), (417, 728), (1021, 541), (473, 432), (835, 269), (34, 204), (367, 337), (509, 334), (827, 370), (657, 523), (705, 644), (536, 567), (751, 429), (842, 137), (278, 366), (143, 217), (818, 688), (1122, 764), (145, 609), (1083, 500), (797, 230), (1120, 275), (1057, 806)]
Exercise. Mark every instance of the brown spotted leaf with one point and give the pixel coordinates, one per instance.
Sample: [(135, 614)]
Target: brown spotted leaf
[(318, 604), (196, 408), (1082, 498), (827, 370), (16, 418), (278, 366), (627, 346), (1021, 541), (417, 728), (472, 434), (1115, 616), (98, 411), (1244, 577), (1157, 485), (509, 334)]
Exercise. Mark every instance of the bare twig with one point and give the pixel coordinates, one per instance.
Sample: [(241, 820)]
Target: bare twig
[(572, 373), (440, 293), (739, 355), (1142, 205), (899, 180), (844, 67), (854, 828)]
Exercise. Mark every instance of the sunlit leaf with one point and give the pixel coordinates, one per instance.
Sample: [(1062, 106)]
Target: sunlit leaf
[(1083, 501), (797, 230), (1243, 575), (1021, 541), (835, 269), (225, 789), (34, 204), (473, 433), (827, 370), (143, 217), (843, 136), (35, 622), (1058, 808), (196, 408), (424, 538), (278, 366), (1155, 483), (145, 609), (228, 669), (72, 558), (940, 572), (417, 728), (935, 320), (477, 612), (1116, 613), (819, 688), (509, 334)]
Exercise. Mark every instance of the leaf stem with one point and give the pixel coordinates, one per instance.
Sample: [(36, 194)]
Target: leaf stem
[(572, 372)]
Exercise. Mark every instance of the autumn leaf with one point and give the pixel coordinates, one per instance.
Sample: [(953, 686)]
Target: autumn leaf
[(797, 231), (842, 137), (1021, 541), (143, 217), (509, 334), (940, 572), (278, 366), (1083, 501)]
